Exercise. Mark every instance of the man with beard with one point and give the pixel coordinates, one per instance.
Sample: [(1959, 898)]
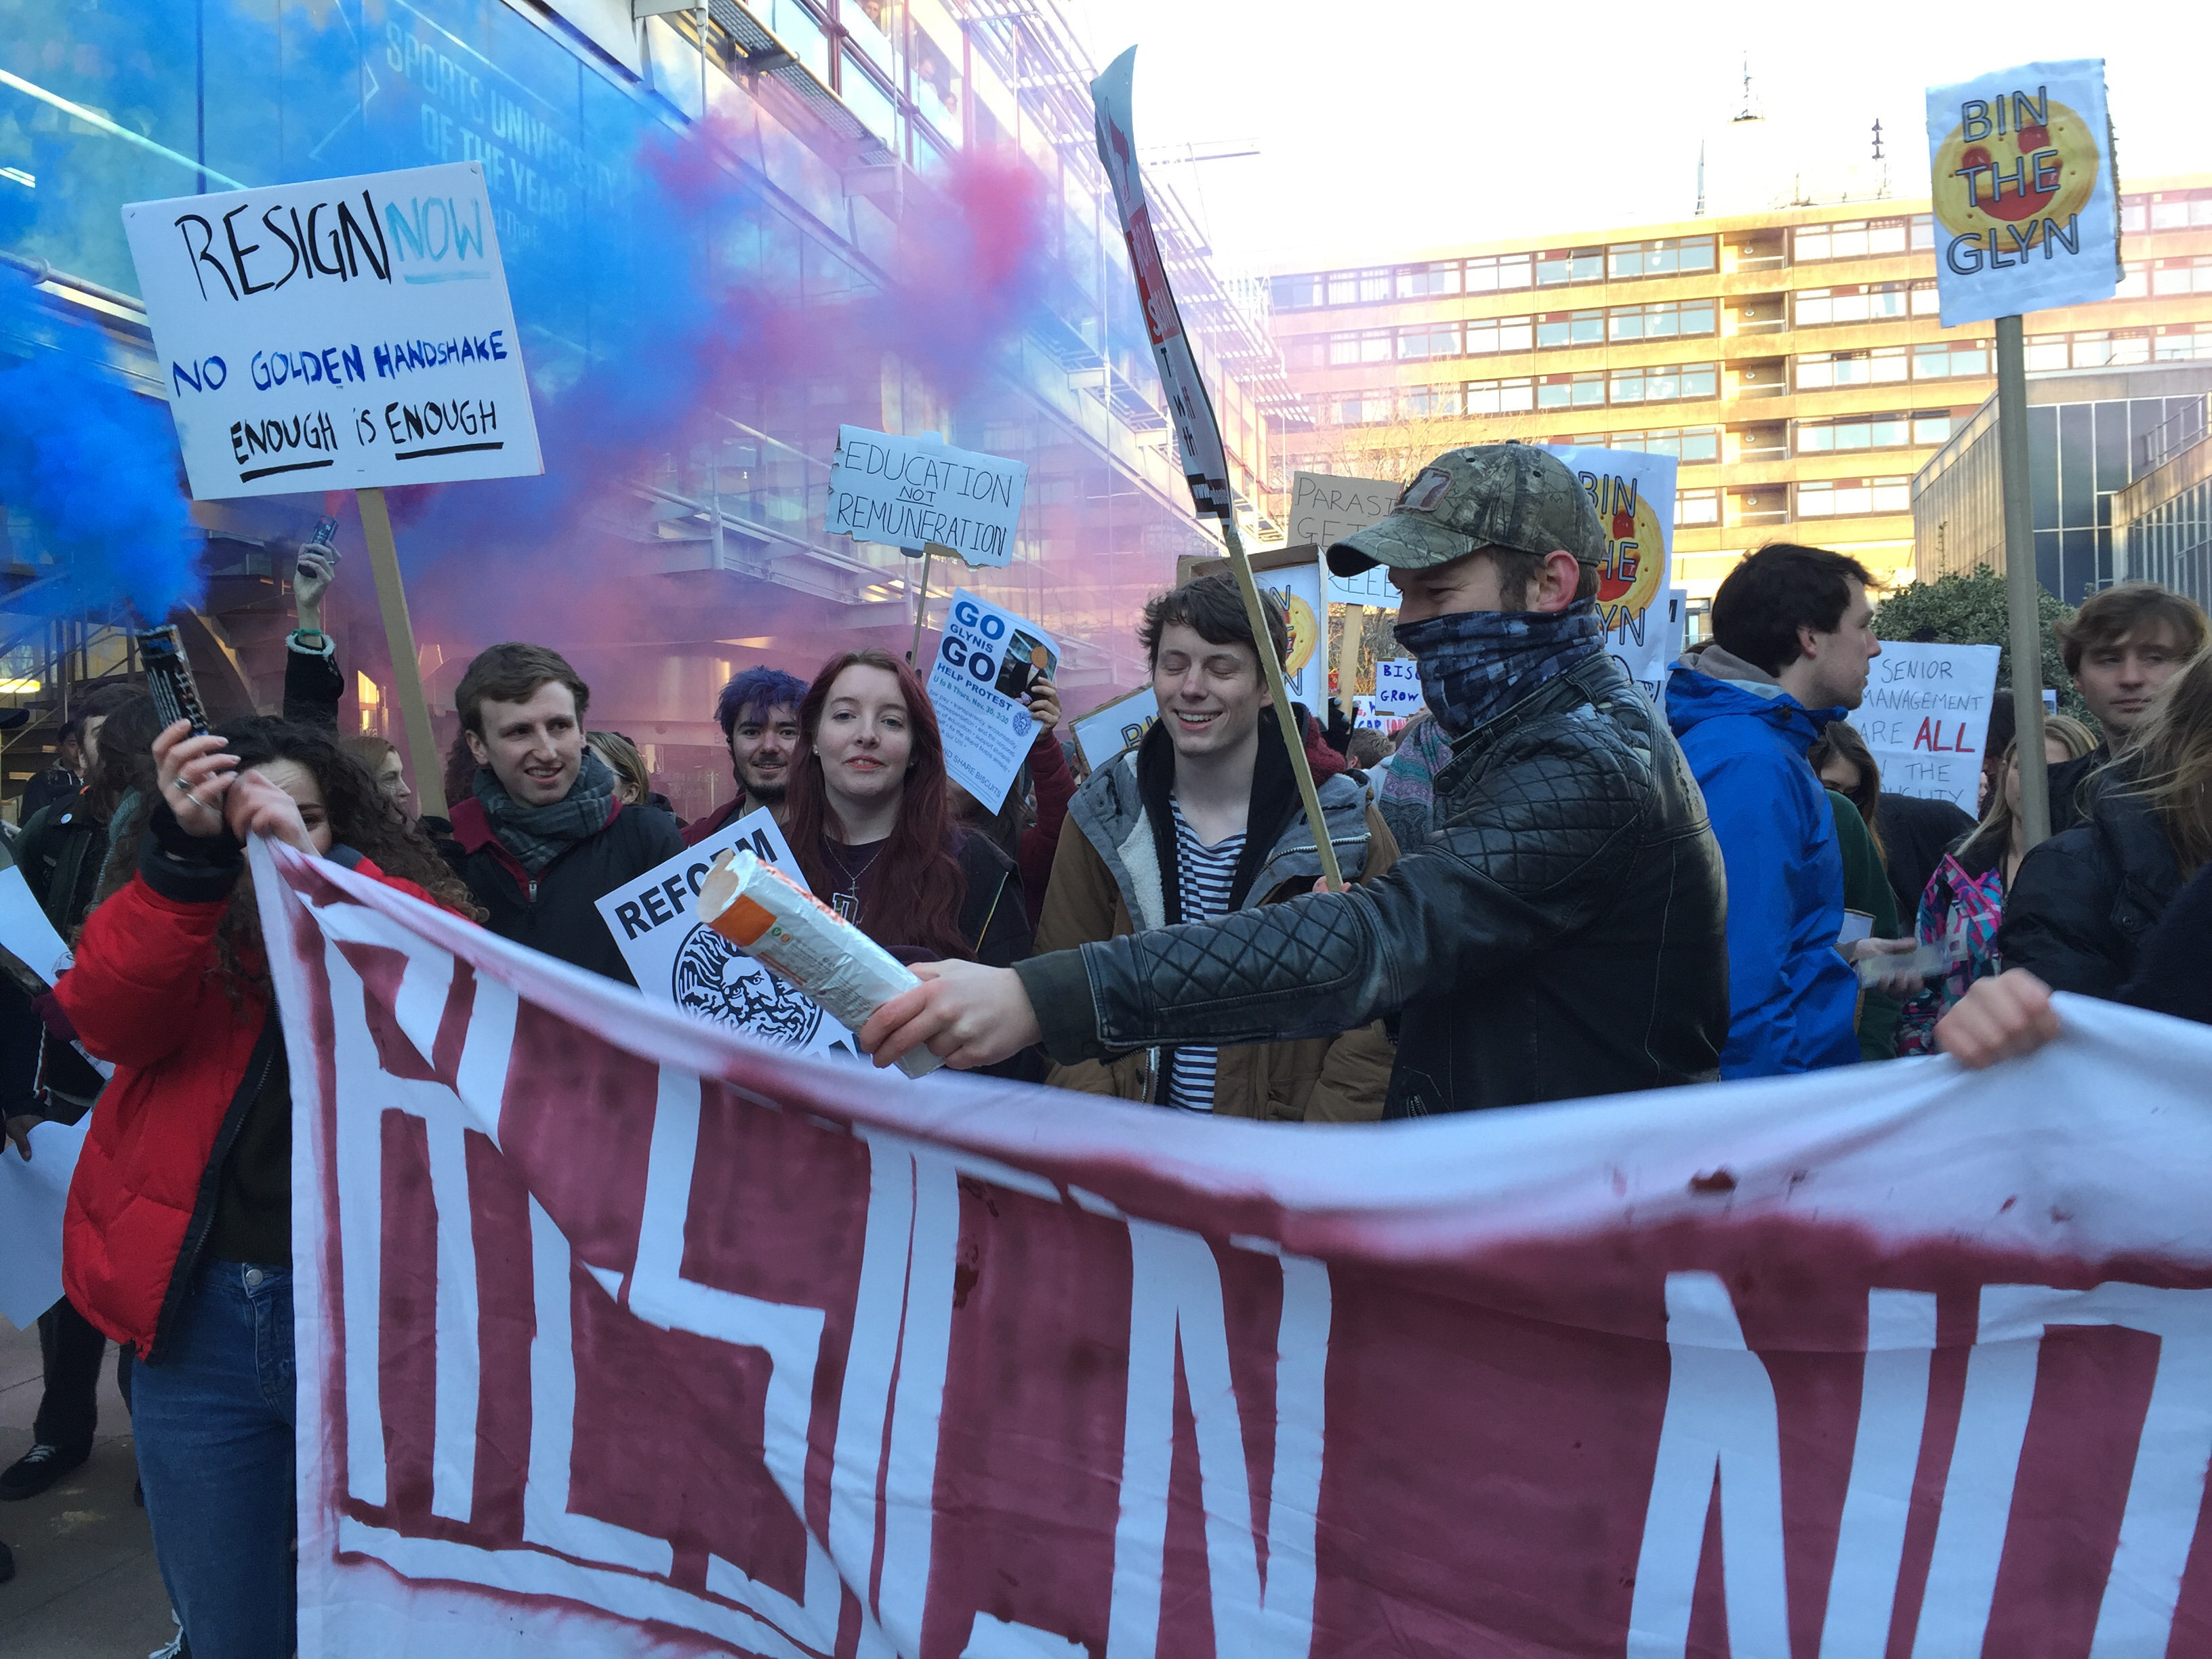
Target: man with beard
[(758, 712), (1561, 931)]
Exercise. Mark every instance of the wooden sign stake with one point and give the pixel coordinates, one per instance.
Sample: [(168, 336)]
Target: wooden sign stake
[(429, 766)]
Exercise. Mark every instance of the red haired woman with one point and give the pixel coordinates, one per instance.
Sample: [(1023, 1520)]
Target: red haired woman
[(869, 821)]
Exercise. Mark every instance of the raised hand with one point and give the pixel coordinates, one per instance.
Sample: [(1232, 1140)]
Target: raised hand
[(194, 774)]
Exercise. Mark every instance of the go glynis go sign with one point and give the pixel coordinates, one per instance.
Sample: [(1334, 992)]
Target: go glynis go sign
[(910, 492), (344, 333), (2024, 197)]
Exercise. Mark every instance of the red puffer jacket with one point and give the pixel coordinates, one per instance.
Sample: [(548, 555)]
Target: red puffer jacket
[(147, 992)]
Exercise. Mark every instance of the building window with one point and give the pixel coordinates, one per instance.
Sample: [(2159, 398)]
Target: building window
[(1563, 328), (1366, 345), (1485, 335), (1688, 444), (1506, 271), (1862, 432), (1697, 507), (1933, 428), (1571, 390), (1358, 409), (2135, 282), (1426, 402), (1416, 345), (1497, 396), (1816, 369), (1873, 303), (1300, 293), (1944, 360), (2179, 209), (1581, 265), (2184, 343), (1835, 498), (2183, 276), (1418, 281), (1357, 288), (1853, 239), (1926, 303), (872, 102), (1663, 258), (1665, 384), (1660, 321)]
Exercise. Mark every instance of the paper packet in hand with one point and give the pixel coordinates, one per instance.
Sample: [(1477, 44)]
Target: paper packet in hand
[(779, 923)]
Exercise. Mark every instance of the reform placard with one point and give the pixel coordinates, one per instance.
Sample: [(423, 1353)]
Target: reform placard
[(335, 335)]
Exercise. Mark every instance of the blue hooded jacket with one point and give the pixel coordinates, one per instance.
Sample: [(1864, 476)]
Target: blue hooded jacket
[(1792, 995)]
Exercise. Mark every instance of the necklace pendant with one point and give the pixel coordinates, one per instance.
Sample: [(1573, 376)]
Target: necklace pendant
[(847, 905)]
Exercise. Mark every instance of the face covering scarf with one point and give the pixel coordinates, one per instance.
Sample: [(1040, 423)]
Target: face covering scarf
[(1475, 664)]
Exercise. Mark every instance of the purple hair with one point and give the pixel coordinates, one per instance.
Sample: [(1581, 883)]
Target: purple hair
[(755, 695)]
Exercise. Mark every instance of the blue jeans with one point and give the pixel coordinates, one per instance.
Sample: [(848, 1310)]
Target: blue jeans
[(214, 1424)]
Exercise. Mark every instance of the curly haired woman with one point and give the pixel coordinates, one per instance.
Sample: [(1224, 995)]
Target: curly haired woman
[(179, 1233)]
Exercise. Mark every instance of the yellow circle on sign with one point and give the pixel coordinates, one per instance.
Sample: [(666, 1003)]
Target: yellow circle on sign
[(2045, 169), (1628, 580)]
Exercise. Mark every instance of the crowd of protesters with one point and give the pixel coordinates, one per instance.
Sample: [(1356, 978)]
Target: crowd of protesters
[(1553, 889)]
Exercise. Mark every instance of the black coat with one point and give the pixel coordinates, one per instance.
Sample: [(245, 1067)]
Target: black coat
[(1915, 835), (1562, 932), (558, 912), (2082, 901), (2173, 964)]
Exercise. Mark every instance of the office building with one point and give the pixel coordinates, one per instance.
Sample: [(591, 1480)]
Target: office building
[(1791, 358), (839, 122), (2163, 520)]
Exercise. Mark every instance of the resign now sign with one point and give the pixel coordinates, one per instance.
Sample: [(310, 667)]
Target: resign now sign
[(335, 335)]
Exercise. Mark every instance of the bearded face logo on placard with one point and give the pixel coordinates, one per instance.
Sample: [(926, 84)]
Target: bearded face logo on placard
[(714, 978)]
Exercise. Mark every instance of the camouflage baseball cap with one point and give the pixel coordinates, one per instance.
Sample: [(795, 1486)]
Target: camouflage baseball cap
[(1509, 494)]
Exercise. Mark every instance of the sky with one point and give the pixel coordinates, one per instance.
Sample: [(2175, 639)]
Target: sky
[(1387, 127)]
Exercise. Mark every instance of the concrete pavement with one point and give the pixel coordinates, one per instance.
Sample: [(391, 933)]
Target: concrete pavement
[(86, 1586)]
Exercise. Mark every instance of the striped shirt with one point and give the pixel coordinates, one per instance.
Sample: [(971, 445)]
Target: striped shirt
[(1205, 874)]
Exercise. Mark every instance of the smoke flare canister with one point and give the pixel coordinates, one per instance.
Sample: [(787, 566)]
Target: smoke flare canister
[(766, 914)]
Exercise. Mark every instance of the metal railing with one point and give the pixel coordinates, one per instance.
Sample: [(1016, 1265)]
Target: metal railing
[(2170, 437)]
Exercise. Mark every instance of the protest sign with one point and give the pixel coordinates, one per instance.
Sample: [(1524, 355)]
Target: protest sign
[(910, 492), (619, 1334), (1926, 717), (1190, 410), (1325, 509), (1397, 687), (1109, 729), (26, 934), (2027, 212), (1290, 580), (678, 960), (985, 658), (1634, 495), (340, 334), (33, 1196)]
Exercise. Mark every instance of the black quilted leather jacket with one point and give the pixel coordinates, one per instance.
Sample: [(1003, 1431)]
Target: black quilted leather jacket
[(1562, 932)]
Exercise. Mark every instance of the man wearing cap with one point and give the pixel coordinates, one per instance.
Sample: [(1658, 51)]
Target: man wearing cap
[(1560, 933)]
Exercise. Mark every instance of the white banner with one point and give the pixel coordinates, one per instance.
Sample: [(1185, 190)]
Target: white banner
[(1926, 717), (2028, 216), (907, 492), (32, 1198), (678, 960), (338, 334), (987, 658), (620, 1335), (1190, 410)]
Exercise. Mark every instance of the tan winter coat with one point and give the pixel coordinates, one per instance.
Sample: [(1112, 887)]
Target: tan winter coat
[(1340, 1079)]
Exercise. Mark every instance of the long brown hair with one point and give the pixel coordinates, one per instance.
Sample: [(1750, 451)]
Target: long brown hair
[(2171, 753), (1993, 834), (912, 893), (361, 817), (1840, 740)]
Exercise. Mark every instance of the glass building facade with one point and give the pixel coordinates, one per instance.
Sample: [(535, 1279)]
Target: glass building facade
[(2089, 434), (855, 152), (2163, 521)]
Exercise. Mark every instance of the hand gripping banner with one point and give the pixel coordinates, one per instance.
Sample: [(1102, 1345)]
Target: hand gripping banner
[(622, 1334)]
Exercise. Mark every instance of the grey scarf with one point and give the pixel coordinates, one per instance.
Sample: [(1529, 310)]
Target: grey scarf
[(535, 836)]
